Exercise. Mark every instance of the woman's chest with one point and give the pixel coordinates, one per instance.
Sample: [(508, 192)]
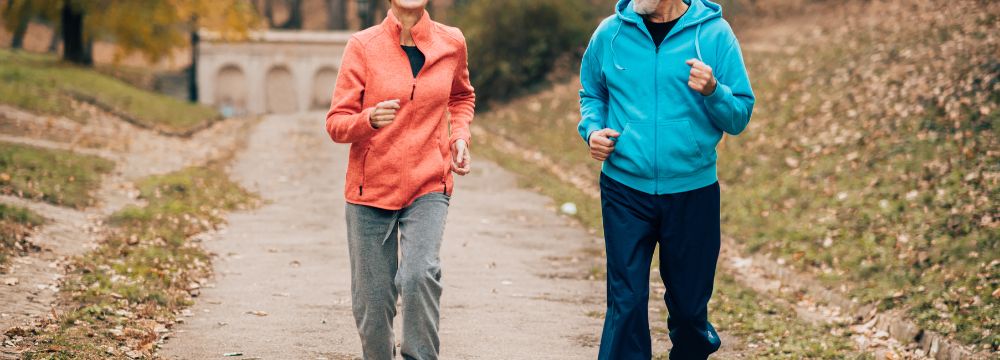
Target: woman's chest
[(391, 77)]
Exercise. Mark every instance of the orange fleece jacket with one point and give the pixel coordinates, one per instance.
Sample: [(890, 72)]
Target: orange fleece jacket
[(394, 165)]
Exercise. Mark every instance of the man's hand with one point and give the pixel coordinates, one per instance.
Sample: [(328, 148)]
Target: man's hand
[(702, 79), (461, 158), (384, 113), (601, 143)]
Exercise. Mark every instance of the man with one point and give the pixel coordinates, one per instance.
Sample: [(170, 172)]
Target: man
[(662, 80)]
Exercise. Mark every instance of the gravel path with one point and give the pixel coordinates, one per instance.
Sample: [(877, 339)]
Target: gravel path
[(514, 271)]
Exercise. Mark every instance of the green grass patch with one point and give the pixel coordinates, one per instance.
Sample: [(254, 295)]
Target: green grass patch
[(42, 84), (16, 223), (126, 291), (54, 176)]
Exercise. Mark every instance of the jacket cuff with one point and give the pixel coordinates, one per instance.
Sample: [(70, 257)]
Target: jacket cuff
[(590, 129), (365, 125), (721, 93)]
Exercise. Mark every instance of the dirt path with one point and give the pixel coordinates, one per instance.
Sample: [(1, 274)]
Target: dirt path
[(515, 284), (32, 282), (34, 279)]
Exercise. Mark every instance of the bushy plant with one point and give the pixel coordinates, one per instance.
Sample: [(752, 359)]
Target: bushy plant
[(515, 44)]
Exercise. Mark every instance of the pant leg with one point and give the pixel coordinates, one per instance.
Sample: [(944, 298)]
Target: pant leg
[(421, 227), (630, 238), (371, 238), (689, 250)]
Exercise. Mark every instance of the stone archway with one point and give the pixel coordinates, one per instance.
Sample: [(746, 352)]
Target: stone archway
[(322, 89), (231, 91), (280, 91)]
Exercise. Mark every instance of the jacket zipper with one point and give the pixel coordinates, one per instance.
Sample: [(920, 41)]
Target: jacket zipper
[(447, 160), (364, 162), (656, 112)]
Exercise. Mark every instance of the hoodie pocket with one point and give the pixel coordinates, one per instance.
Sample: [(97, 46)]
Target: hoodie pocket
[(633, 151), (677, 153)]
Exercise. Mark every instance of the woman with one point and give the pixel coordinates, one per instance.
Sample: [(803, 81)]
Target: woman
[(404, 102)]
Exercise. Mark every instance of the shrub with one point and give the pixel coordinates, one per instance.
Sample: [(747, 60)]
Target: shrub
[(515, 44)]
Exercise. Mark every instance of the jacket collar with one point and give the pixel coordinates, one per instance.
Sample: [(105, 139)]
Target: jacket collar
[(422, 31)]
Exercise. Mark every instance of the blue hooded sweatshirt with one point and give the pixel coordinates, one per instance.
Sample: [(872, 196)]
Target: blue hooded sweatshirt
[(668, 130)]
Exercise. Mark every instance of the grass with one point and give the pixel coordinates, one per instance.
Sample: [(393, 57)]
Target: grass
[(854, 173), (16, 223), (770, 330), (54, 176), (871, 162), (131, 287), (42, 84)]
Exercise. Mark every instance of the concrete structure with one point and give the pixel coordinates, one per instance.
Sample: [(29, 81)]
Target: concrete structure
[(272, 72)]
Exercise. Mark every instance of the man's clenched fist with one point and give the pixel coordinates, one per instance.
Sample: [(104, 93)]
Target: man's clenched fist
[(702, 79), (602, 143)]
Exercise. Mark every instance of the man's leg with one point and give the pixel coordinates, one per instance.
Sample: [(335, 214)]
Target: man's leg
[(689, 249), (372, 240), (421, 228), (630, 238)]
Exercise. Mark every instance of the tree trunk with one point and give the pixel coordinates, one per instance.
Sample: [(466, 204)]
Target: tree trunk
[(336, 15), (369, 9), (269, 12), (75, 48), (193, 72), (23, 18), (294, 21), (17, 42)]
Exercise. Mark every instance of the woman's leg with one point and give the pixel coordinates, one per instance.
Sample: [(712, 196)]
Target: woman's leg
[(372, 239), (421, 227)]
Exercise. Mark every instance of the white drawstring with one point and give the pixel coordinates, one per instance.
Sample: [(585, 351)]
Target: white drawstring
[(697, 42), (614, 58)]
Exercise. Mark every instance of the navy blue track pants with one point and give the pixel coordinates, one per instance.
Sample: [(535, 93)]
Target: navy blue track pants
[(686, 225)]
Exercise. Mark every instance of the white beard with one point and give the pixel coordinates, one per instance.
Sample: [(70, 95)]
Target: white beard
[(645, 7)]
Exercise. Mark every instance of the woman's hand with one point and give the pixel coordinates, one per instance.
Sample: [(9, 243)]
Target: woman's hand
[(384, 113), (461, 158)]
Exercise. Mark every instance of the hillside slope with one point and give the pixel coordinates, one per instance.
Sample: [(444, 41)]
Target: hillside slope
[(872, 161)]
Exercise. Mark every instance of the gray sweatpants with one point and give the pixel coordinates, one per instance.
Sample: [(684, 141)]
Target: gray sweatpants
[(377, 238)]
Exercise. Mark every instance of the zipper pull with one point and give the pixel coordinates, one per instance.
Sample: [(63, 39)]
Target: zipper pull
[(361, 190), (414, 91)]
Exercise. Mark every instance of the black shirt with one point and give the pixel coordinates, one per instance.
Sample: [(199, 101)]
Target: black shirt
[(416, 58), (659, 31)]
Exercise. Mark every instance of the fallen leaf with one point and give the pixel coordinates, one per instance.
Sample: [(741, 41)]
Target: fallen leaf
[(258, 313)]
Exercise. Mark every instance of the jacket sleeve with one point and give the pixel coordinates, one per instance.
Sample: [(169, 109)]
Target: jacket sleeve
[(462, 103), (594, 92), (347, 121), (731, 105)]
